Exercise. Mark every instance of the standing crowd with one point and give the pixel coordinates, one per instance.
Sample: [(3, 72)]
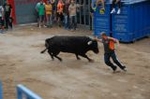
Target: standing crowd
[(62, 13)]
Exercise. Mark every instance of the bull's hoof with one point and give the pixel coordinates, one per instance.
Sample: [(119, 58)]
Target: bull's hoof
[(78, 58), (60, 60), (92, 61)]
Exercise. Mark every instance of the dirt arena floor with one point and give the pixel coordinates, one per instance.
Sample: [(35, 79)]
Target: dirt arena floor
[(22, 63)]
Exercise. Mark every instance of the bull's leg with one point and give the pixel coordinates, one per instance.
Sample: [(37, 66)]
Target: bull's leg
[(51, 54), (78, 58), (55, 54), (85, 56), (58, 58)]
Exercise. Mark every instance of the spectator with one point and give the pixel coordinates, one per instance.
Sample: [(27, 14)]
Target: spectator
[(41, 13), (114, 2), (109, 52), (53, 3), (96, 3), (1, 18), (60, 9), (72, 13), (66, 14), (8, 14), (48, 10), (37, 13)]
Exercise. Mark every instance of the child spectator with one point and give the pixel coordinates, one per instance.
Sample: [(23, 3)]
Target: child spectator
[(114, 2)]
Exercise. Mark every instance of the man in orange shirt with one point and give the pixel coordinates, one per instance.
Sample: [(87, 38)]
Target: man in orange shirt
[(109, 51), (60, 9)]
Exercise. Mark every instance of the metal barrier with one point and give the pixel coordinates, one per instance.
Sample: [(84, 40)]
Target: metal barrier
[(25, 93), (1, 91)]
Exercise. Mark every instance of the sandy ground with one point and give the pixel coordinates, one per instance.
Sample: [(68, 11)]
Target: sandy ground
[(22, 63)]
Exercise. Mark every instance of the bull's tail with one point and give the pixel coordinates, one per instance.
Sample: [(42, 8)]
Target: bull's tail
[(43, 51), (47, 46)]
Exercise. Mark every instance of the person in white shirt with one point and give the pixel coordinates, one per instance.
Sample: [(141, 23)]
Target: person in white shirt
[(72, 14)]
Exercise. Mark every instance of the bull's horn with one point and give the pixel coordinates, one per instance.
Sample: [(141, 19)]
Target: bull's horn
[(89, 43)]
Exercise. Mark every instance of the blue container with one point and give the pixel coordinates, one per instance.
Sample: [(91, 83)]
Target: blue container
[(121, 24), (133, 22), (102, 21)]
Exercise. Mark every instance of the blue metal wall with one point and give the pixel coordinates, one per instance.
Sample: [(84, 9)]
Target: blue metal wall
[(25, 11), (132, 23), (102, 21)]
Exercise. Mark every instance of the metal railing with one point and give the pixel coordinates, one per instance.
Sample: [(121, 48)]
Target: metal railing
[(25, 93), (1, 91)]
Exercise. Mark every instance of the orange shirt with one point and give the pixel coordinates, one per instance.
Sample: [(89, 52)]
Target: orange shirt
[(112, 44), (60, 7), (109, 44)]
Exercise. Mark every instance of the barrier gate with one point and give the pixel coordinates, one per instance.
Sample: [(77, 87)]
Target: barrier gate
[(1, 91), (25, 93), (22, 92)]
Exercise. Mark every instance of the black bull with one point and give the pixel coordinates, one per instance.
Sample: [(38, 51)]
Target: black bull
[(79, 45)]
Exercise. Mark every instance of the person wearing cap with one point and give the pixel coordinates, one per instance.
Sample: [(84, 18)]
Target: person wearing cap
[(109, 51)]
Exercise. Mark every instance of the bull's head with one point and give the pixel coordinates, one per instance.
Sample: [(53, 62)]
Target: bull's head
[(93, 46)]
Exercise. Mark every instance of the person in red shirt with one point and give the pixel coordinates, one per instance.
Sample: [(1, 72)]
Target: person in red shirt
[(109, 51)]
